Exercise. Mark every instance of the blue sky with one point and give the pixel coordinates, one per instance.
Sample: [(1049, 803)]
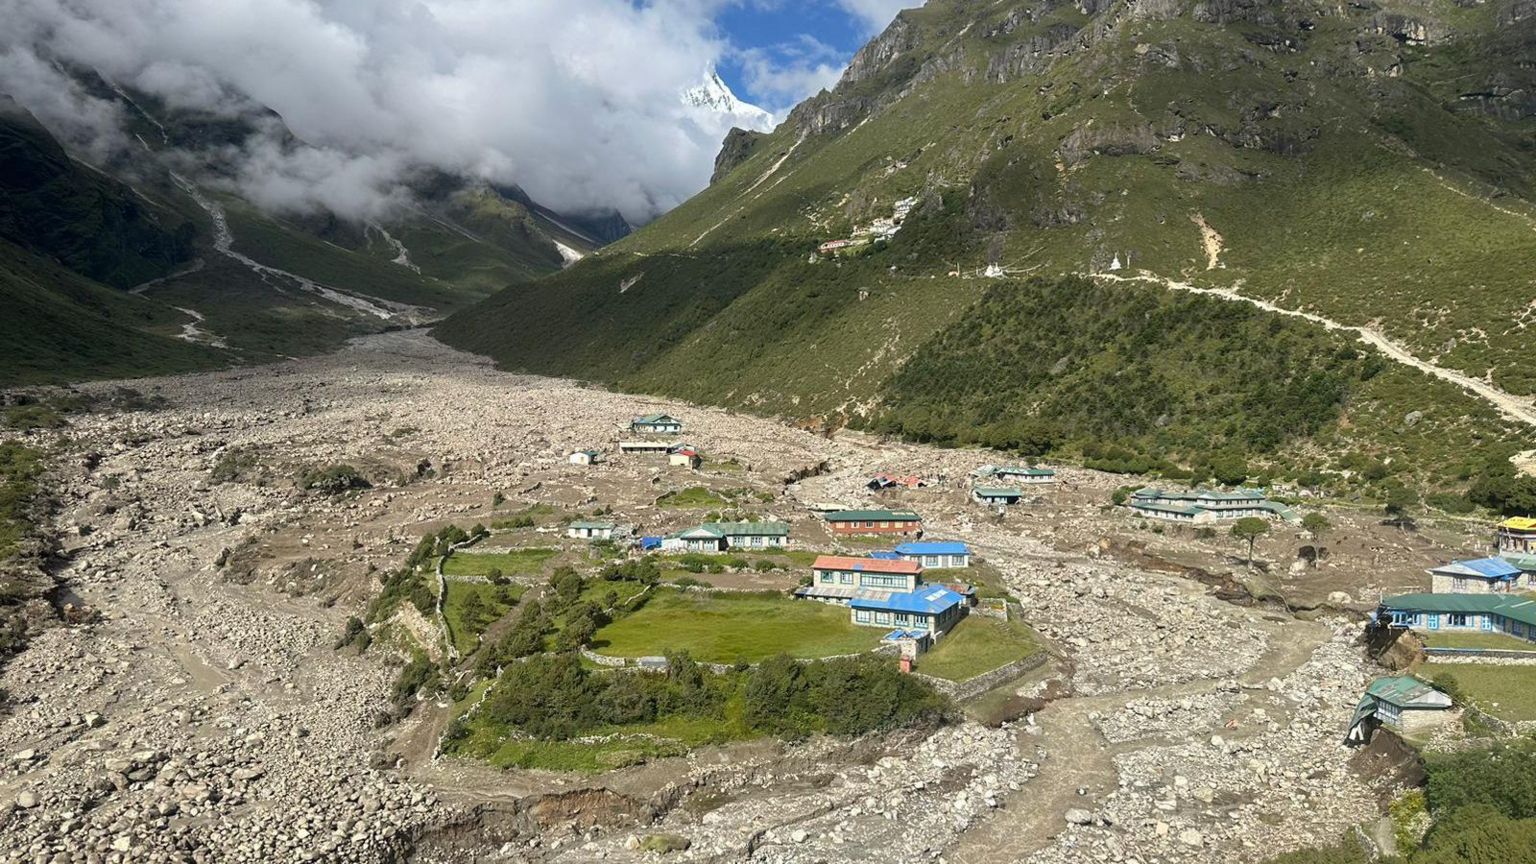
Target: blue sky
[(785, 50)]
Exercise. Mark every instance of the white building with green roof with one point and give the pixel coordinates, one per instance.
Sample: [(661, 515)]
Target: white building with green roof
[(1401, 703), (1202, 506), (729, 537), (583, 530)]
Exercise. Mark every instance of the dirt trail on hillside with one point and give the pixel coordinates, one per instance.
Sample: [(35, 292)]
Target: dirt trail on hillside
[(1515, 408)]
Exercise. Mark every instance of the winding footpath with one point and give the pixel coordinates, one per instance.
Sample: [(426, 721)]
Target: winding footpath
[(1515, 408)]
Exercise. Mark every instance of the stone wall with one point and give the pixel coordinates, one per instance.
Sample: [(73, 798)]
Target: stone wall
[(963, 690)]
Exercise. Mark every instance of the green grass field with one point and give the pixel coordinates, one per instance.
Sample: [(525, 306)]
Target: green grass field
[(515, 562), (726, 628), (977, 645), (468, 619), (1506, 692), (690, 498)]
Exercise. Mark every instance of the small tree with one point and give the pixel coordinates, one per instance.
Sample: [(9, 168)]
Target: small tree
[(1250, 529), (1316, 524), (1398, 500)]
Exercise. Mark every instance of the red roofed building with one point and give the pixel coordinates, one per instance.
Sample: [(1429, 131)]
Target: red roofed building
[(853, 574)]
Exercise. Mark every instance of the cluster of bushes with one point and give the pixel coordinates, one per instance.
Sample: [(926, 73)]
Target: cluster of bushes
[(1130, 377), (48, 411), (333, 480), (564, 622), (642, 570), (20, 468), (236, 464), (845, 696), (554, 697), (1482, 805), (1499, 487)]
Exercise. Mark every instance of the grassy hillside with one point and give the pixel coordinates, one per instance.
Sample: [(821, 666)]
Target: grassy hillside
[(59, 327), (1329, 163)]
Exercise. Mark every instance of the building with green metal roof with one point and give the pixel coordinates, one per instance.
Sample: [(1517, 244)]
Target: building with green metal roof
[(729, 536), (851, 522), (993, 495), (1207, 505), (1511, 614), (1401, 703), (590, 530)]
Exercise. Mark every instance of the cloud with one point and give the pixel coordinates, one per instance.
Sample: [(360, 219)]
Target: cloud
[(783, 75), (579, 103), (876, 15)]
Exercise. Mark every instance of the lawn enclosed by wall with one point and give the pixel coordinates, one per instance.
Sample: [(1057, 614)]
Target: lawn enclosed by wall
[(1506, 692), (727, 628), (976, 646)]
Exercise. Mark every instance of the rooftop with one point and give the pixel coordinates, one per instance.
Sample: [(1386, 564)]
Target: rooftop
[(1405, 690), (1512, 606), (999, 492), (654, 419), (1519, 523), (933, 548), (591, 525), (1208, 495), (873, 516), (928, 600), (1483, 568), (867, 565), (750, 529)]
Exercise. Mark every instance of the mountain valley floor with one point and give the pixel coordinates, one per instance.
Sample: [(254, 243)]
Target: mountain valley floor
[(208, 716)]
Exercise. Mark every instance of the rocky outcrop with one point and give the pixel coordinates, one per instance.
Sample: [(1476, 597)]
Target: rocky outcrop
[(739, 146)]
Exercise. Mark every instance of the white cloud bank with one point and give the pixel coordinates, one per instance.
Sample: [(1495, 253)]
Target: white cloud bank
[(577, 102)]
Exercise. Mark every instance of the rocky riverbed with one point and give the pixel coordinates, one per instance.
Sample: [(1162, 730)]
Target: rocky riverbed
[(206, 716)]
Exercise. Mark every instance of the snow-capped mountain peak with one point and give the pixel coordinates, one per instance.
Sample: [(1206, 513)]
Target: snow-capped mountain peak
[(715, 96)]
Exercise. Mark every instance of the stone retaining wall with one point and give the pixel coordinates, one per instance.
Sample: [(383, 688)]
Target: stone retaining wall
[(1489, 656), (963, 690)]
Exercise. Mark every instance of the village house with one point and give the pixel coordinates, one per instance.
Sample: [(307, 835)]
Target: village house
[(685, 457), (884, 592), (931, 609), (1013, 474), (590, 530), (885, 480), (1510, 614), (656, 424), (1401, 703), (1517, 535), (1200, 506), (727, 536), (994, 496), (586, 457), (645, 448), (937, 555), (1481, 576), (847, 523)]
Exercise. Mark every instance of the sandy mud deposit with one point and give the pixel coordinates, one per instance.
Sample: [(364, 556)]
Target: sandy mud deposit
[(208, 717)]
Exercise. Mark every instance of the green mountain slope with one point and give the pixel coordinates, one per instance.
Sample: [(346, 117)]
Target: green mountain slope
[(1369, 164), (213, 278), (59, 327)]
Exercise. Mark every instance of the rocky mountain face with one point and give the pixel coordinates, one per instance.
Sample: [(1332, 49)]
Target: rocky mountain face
[(1238, 167)]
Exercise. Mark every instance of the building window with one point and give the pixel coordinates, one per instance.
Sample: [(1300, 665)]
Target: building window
[(845, 578), (1458, 619), (826, 578), (1459, 584), (882, 617), (861, 616)]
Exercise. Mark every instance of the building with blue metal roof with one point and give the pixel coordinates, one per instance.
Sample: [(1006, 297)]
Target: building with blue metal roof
[(936, 555), (932, 609), (1478, 576)]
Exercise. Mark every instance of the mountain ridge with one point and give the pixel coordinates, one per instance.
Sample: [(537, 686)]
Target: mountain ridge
[(1291, 155)]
